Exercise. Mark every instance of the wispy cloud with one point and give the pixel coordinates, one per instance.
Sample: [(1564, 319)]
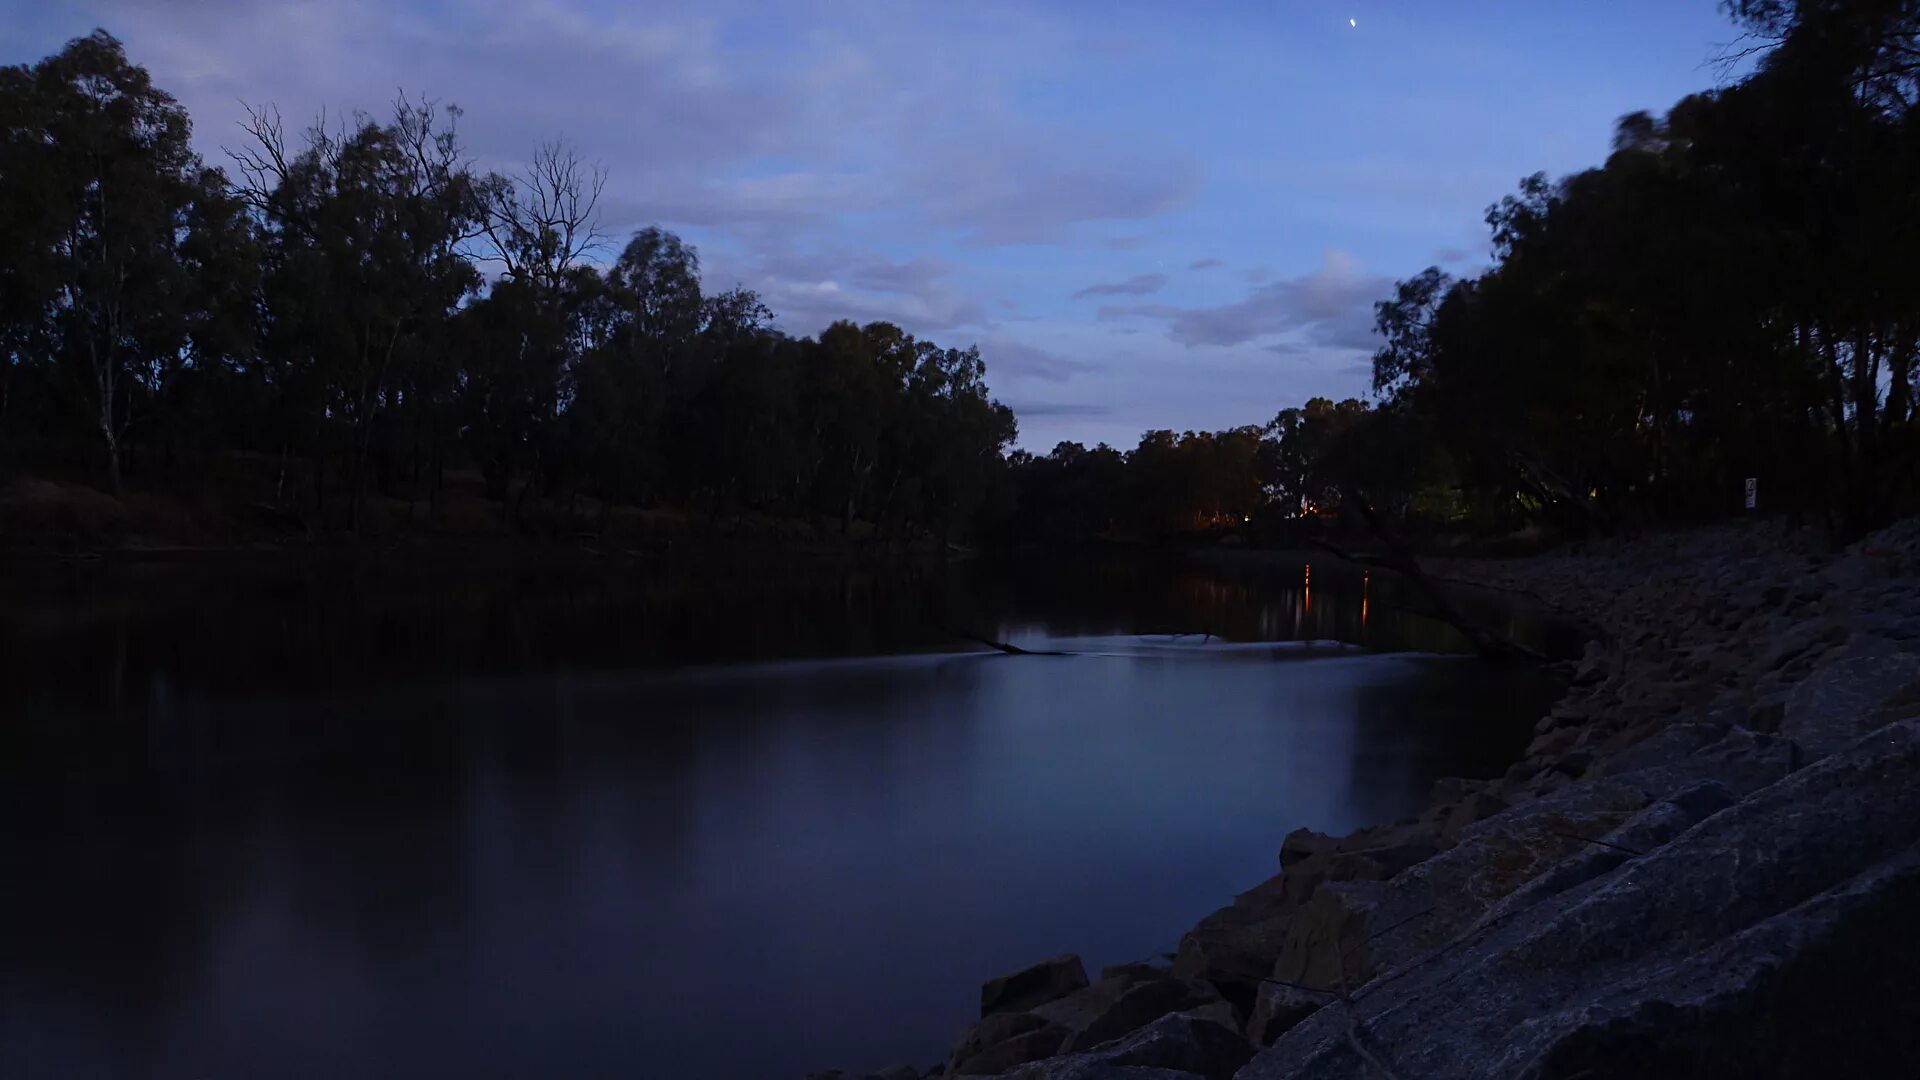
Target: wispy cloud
[(1138, 285), (1059, 408), (1332, 306), (1005, 356)]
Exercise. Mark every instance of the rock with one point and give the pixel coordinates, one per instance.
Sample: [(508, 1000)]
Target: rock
[(1553, 743), (1302, 843), (1278, 1009), (1451, 789), (1031, 1044), (1771, 939), (1371, 864), (1351, 931), (996, 1029), (1135, 971), (1176, 1045), (1593, 666), (1841, 701), (898, 1072), (1476, 807), (1236, 945), (1048, 980), (1572, 765), (1140, 1005)]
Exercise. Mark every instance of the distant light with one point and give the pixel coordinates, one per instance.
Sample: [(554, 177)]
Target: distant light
[(1353, 22)]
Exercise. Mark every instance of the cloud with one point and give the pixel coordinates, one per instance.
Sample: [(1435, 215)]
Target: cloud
[(809, 291), (1257, 275), (1001, 187), (1330, 307), (1204, 264), (1138, 285), (1452, 255), (1058, 408), (1004, 356)]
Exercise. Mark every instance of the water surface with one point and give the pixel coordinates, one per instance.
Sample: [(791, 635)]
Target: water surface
[(630, 822)]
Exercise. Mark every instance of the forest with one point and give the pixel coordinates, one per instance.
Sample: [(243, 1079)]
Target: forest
[(355, 315)]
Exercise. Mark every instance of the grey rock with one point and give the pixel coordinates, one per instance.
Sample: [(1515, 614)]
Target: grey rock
[(1174, 1045), (1303, 878), (1451, 789), (1036, 984), (1140, 1005), (1772, 938), (1278, 1008), (1030, 1045), (1135, 971), (1593, 666), (1234, 946), (1842, 700), (1350, 931), (1302, 843), (998, 1028), (1476, 807)]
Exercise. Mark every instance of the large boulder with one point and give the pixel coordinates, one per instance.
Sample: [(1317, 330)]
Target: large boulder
[(1005, 1040), (1141, 1004), (1279, 1007), (1843, 699), (1770, 939), (1050, 979), (1129, 997), (1179, 1045), (1351, 930), (982, 1055), (1232, 948)]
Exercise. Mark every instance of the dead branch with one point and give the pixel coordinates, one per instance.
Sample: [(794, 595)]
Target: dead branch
[(1399, 558)]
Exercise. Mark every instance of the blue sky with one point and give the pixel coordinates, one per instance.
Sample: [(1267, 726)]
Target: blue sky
[(1146, 214)]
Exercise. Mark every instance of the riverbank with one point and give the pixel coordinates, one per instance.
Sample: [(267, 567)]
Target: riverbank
[(44, 518), (1703, 864)]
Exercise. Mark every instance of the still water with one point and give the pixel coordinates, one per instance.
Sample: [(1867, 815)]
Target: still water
[(406, 821)]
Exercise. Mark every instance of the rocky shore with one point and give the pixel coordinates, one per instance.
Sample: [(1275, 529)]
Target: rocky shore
[(1705, 865)]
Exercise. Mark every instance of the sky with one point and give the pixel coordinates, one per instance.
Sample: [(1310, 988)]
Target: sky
[(1146, 213)]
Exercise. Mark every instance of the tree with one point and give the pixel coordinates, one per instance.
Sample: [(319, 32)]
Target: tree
[(112, 206), (367, 229)]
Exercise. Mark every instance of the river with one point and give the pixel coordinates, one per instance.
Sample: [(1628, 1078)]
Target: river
[(418, 820)]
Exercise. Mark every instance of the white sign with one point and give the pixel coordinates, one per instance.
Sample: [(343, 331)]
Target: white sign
[(1753, 491)]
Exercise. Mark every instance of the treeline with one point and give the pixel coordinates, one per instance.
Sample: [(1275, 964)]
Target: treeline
[(1734, 294), (359, 311), (1272, 477)]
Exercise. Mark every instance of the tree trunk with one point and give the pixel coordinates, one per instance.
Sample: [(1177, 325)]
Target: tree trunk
[(113, 463)]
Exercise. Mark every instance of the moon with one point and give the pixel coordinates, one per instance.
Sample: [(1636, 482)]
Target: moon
[(1355, 23)]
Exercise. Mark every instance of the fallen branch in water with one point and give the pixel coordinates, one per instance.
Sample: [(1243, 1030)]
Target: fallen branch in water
[(1399, 559), (1005, 647)]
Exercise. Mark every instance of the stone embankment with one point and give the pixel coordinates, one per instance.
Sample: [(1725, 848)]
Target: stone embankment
[(1705, 865)]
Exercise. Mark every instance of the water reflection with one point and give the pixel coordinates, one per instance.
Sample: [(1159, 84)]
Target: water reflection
[(390, 822)]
